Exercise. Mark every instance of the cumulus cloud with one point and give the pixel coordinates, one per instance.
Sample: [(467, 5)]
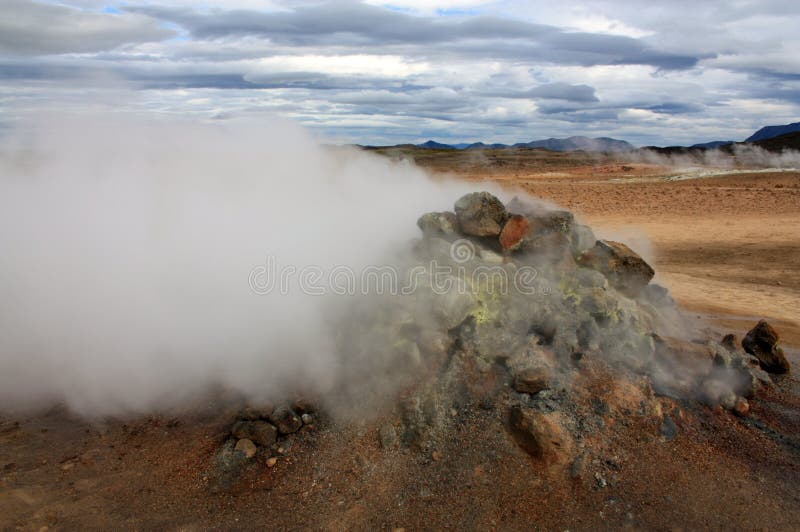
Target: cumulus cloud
[(378, 72)]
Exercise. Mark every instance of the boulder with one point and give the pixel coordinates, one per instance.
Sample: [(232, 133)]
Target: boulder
[(625, 270), (286, 420), (480, 214), (560, 221), (438, 223), (762, 342), (514, 232)]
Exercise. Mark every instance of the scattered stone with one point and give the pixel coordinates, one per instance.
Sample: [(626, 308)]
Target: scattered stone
[(271, 461), (307, 419), (247, 447), (668, 429), (387, 435), (600, 481), (438, 223), (741, 408), (576, 467), (436, 456), (540, 435), (254, 413), (260, 432), (302, 406), (625, 270), (762, 342), (514, 232), (286, 420), (532, 380), (480, 214)]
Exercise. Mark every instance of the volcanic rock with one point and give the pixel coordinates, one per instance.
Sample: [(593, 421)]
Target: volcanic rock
[(438, 222), (582, 239), (762, 342), (625, 270), (540, 435), (514, 232), (668, 429), (532, 380), (286, 420), (247, 447), (480, 214), (259, 432), (730, 342), (253, 413), (560, 221), (387, 435)]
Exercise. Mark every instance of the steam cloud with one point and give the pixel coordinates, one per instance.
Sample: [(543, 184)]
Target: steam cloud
[(127, 246)]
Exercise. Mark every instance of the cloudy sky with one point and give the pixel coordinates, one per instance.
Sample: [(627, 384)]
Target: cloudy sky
[(408, 70)]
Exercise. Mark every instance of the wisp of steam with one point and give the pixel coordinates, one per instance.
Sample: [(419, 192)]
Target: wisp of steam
[(127, 246)]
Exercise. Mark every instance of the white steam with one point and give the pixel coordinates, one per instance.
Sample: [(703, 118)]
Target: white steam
[(126, 246), (741, 156)]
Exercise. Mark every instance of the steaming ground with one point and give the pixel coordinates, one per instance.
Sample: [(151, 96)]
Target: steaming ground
[(128, 247)]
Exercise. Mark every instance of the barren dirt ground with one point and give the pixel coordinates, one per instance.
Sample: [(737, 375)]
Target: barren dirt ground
[(729, 249)]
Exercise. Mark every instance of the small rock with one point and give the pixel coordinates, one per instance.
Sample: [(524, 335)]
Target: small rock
[(762, 342), (540, 435), (247, 447), (436, 456), (741, 408), (286, 420), (307, 419), (387, 435), (668, 429), (302, 406), (271, 461), (532, 380), (600, 481), (480, 214), (259, 432), (254, 413), (730, 342), (438, 222)]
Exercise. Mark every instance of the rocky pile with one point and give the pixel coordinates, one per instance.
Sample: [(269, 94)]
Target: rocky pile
[(526, 318)]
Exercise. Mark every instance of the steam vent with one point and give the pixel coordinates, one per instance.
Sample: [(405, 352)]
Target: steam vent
[(543, 346)]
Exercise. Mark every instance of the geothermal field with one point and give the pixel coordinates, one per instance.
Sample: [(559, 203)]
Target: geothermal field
[(399, 265), (582, 340)]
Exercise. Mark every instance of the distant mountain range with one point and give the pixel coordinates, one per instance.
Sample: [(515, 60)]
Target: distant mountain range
[(773, 138), (601, 144), (773, 131)]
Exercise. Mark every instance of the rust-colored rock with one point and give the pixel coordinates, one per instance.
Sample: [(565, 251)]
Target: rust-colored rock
[(540, 435), (762, 343), (532, 380), (514, 232)]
